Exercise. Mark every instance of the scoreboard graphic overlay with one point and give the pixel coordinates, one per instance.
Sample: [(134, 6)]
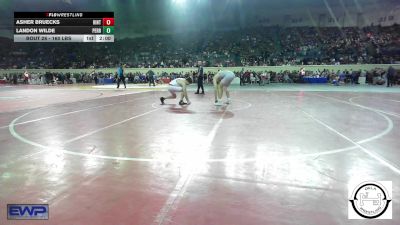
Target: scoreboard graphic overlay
[(63, 26)]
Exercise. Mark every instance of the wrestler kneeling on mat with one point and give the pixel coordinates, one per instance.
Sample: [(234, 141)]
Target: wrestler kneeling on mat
[(178, 85), (221, 82)]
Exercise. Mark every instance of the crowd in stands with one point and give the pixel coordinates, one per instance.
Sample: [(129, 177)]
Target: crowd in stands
[(375, 76), (261, 46)]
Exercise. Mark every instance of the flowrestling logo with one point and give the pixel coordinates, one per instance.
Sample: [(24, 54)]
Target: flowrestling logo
[(28, 211), (370, 200)]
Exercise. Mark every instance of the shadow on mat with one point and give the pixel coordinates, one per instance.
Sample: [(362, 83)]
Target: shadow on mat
[(183, 109)]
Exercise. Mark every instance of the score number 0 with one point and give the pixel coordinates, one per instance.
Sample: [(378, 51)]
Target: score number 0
[(108, 21)]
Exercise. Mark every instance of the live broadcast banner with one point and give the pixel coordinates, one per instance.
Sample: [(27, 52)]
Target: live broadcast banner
[(64, 26)]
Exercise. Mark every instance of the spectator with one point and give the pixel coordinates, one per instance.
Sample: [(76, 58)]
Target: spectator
[(26, 77), (150, 77), (120, 76), (391, 74)]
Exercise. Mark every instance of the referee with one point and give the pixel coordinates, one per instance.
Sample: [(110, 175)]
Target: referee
[(200, 79)]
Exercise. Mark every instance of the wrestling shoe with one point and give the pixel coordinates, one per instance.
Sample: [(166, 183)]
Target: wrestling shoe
[(218, 103)]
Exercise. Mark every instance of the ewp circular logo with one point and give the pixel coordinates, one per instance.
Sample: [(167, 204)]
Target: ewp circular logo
[(370, 200)]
